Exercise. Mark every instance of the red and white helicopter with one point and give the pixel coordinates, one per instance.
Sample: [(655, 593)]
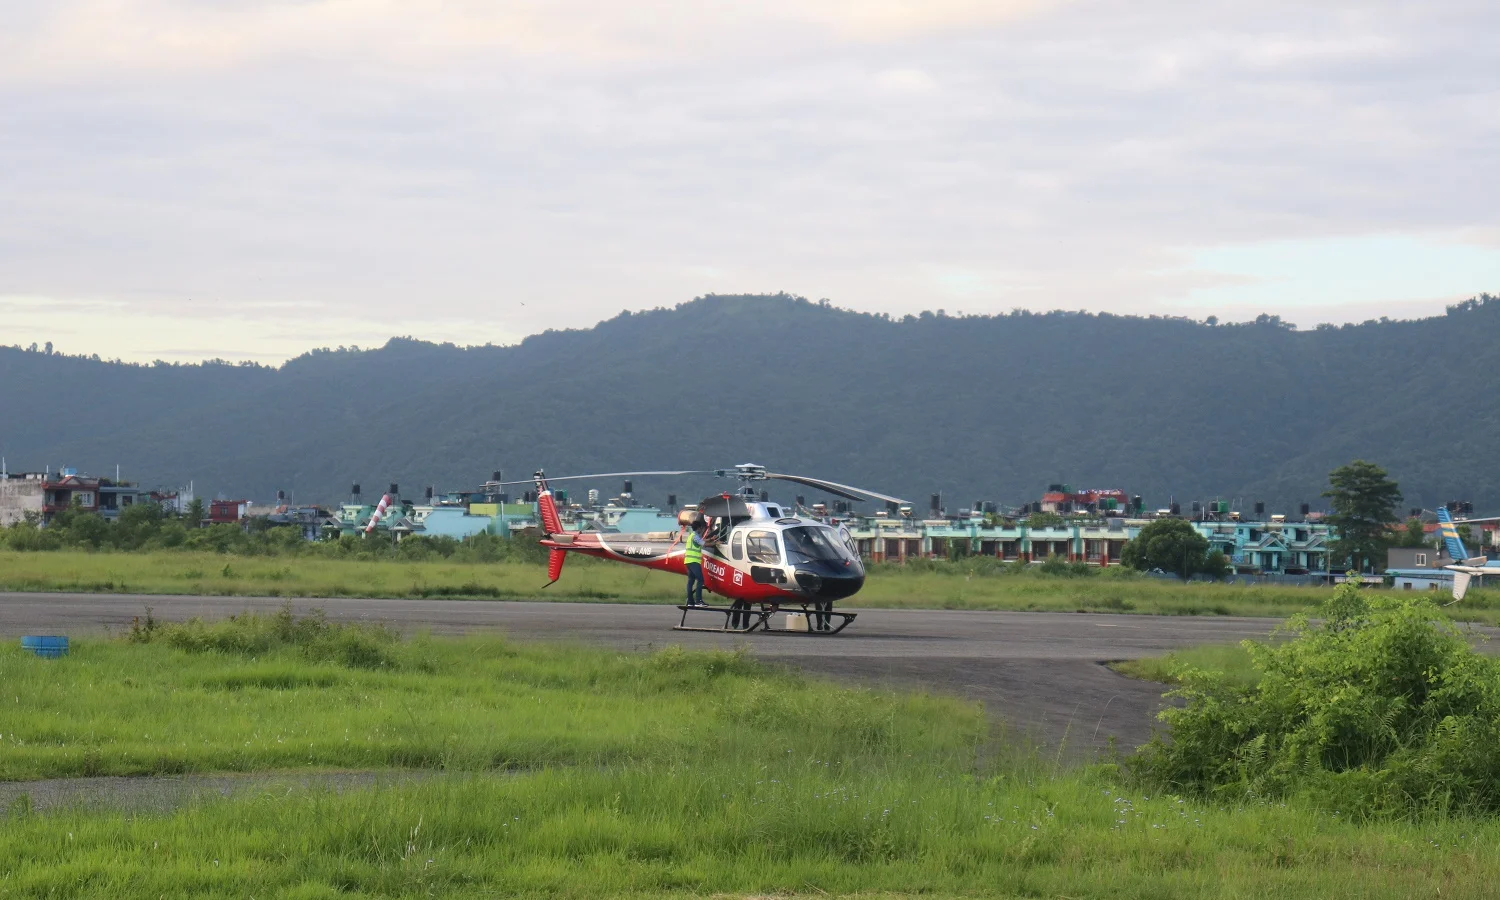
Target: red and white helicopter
[(762, 556)]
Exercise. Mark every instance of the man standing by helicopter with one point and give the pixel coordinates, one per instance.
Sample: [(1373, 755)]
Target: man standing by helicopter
[(692, 560)]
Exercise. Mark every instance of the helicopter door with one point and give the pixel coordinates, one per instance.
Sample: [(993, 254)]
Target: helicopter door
[(737, 547), (762, 547)]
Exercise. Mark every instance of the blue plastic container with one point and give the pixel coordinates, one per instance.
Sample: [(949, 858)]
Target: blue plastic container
[(49, 646)]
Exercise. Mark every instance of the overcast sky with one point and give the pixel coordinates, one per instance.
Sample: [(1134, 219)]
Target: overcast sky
[(251, 179)]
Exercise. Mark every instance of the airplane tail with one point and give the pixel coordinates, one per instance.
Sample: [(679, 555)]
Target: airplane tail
[(1451, 541), (1460, 585)]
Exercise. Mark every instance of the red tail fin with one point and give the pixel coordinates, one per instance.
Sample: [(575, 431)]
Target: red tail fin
[(555, 560), (552, 524), (550, 521)]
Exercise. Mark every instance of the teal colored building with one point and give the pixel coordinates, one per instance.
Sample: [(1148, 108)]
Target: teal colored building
[(1253, 548)]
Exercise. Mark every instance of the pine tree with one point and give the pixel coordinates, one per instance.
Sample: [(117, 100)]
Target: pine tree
[(1364, 502)]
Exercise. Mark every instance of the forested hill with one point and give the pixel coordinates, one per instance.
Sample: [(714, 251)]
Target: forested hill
[(975, 407)]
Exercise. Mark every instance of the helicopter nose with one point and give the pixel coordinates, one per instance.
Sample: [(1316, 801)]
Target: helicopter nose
[(841, 587), (829, 586)]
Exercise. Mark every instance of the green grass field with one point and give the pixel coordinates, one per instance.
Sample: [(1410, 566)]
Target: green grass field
[(931, 587), (685, 774), (1231, 659), (273, 693), (705, 828)]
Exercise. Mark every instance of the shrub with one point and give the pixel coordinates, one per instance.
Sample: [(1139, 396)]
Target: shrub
[(1059, 566), (1381, 709), (1170, 545)]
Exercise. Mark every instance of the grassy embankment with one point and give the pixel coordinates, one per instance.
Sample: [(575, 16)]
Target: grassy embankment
[(677, 773), (931, 587)]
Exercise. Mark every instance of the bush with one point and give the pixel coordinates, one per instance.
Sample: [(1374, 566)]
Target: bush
[(1381, 709), (1059, 566), (1171, 545)]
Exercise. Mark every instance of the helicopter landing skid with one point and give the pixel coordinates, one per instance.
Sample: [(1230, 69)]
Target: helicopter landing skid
[(819, 622)]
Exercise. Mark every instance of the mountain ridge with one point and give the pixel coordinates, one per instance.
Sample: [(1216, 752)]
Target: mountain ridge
[(974, 407)]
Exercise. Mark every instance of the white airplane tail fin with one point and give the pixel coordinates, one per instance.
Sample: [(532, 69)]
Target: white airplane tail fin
[(1460, 584)]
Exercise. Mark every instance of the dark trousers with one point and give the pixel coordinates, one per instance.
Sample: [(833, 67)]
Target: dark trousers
[(695, 583), (741, 617), (821, 618)]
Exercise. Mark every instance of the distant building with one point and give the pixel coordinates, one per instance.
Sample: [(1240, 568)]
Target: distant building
[(1416, 558), (1063, 499), (227, 512), (901, 538), (1418, 568), (1256, 549), (1274, 547), (44, 495), (21, 494), (311, 521)]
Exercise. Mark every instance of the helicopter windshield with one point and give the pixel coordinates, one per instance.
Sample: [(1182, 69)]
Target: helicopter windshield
[(814, 543)]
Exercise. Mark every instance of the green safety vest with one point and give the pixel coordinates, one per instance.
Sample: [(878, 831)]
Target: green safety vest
[(693, 550)]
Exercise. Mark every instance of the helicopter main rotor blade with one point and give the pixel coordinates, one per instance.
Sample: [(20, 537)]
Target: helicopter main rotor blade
[(551, 478), (832, 487)]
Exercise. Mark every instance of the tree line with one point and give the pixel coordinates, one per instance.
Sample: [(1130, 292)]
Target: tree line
[(910, 406), (1361, 493), (147, 526)]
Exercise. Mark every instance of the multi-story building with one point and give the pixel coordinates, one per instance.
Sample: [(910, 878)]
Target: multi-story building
[(899, 538), (21, 494), (1253, 548), (1288, 548), (44, 495), (227, 512)]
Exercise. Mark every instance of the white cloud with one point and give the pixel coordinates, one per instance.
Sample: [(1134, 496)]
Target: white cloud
[(907, 82), (114, 330), (428, 168), (68, 37)]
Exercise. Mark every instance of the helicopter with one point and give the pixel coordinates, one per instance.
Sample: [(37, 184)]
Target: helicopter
[(760, 555)]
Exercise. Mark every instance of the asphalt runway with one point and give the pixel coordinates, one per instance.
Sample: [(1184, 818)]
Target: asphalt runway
[(1041, 675)]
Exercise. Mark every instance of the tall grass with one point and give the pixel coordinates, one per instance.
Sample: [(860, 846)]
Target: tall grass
[(706, 826)]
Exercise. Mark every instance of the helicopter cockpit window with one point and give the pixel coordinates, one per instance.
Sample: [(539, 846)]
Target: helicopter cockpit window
[(760, 547), (814, 543), (718, 531), (737, 549)]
